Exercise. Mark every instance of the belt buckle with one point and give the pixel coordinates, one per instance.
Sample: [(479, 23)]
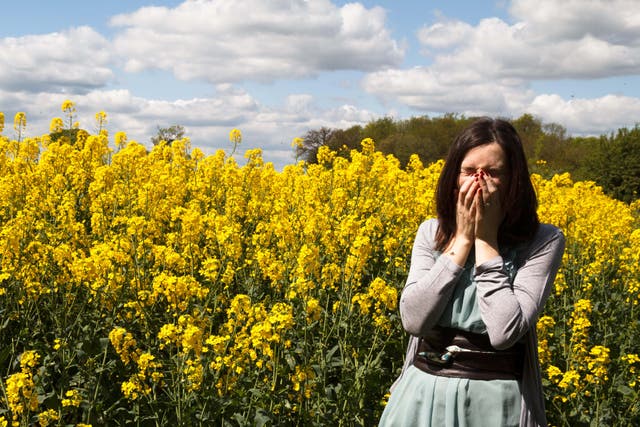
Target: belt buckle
[(441, 359)]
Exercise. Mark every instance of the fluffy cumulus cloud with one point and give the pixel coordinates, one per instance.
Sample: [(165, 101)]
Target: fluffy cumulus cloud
[(548, 40), (231, 41), (614, 21), (588, 116), (427, 89), (489, 67), (445, 34), (207, 120), (74, 60), (222, 42)]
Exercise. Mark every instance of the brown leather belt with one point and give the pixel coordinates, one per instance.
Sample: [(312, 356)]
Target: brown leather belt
[(455, 353)]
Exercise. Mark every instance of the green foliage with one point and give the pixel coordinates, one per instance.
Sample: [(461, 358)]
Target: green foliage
[(616, 164), (169, 134), (429, 138), (313, 140), (612, 162), (69, 136)]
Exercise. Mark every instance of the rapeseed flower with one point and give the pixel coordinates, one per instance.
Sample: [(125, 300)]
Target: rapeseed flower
[(124, 344), (56, 125), (597, 365), (633, 361), (20, 124), (285, 283), (235, 136), (48, 417), (72, 398)]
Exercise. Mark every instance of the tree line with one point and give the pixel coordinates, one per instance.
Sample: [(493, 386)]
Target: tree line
[(612, 161)]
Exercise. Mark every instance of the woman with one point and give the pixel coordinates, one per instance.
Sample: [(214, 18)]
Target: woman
[(480, 275)]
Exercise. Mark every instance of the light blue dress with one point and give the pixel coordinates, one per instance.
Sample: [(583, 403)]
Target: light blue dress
[(423, 400)]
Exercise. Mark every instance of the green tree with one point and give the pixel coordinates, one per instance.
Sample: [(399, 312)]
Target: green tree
[(169, 134), (69, 136), (611, 162), (343, 141), (380, 129), (579, 153), (530, 130), (312, 141), (617, 164)]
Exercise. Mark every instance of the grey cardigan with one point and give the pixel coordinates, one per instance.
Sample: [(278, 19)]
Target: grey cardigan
[(509, 310)]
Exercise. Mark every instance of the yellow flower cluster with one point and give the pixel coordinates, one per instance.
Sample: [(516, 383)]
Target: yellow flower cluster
[(589, 217), (634, 362), (630, 268), (48, 417), (597, 365), (72, 398), (20, 388), (580, 325), (568, 382), (210, 290), (302, 380), (249, 338), (596, 292), (545, 332), (124, 344), (140, 383), (380, 300)]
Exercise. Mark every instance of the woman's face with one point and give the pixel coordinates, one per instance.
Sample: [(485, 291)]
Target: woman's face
[(489, 158)]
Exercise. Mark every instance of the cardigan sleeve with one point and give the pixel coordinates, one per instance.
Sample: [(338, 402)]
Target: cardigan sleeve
[(510, 310), (430, 283)]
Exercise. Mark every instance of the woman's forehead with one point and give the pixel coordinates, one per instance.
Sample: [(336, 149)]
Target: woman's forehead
[(483, 156)]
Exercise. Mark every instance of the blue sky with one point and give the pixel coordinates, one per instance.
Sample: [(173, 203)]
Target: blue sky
[(276, 69)]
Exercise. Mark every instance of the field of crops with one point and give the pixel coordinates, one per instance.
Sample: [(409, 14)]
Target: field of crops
[(165, 287)]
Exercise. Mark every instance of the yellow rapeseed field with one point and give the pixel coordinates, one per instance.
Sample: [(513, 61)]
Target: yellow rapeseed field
[(166, 287)]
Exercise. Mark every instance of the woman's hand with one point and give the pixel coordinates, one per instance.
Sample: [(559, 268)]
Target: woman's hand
[(489, 216), (466, 211)]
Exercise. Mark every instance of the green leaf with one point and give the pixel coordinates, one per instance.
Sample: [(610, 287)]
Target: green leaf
[(262, 418), (4, 354), (625, 390)]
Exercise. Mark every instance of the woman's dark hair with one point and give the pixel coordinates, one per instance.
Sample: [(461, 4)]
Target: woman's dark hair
[(519, 203)]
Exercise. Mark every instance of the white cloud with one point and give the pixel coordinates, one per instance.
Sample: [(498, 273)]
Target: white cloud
[(425, 89), (207, 121), (496, 49), (588, 116), (230, 41), (485, 68), (488, 68), (613, 21), (76, 59), (297, 103), (446, 34)]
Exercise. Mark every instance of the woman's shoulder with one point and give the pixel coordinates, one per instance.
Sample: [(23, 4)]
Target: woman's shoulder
[(547, 232), (427, 231), (547, 235), (429, 227)]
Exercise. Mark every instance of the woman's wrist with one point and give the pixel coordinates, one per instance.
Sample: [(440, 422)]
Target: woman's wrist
[(459, 250), (486, 250)]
